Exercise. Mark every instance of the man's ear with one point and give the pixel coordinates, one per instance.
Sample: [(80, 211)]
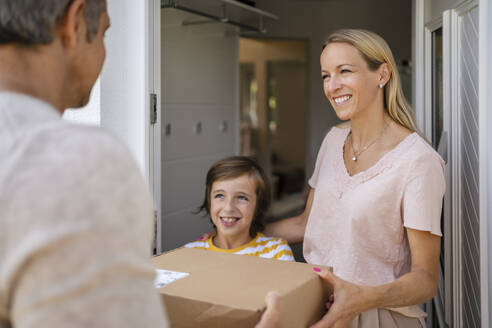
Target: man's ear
[(73, 27), (384, 73)]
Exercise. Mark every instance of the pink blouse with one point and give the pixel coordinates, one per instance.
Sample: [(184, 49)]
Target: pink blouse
[(357, 223)]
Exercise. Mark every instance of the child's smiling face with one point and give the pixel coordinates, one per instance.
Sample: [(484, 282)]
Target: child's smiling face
[(232, 206)]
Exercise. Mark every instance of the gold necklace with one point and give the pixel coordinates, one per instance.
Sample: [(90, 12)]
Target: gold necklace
[(358, 153)]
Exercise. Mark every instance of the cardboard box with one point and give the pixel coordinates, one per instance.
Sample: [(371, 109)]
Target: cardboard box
[(228, 290)]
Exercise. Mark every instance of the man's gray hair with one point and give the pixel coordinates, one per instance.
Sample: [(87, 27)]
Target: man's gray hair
[(32, 22)]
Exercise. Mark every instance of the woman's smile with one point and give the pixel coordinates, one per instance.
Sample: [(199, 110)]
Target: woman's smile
[(342, 99)]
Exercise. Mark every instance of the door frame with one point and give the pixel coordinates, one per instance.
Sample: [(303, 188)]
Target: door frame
[(443, 301), (155, 164), (485, 120)]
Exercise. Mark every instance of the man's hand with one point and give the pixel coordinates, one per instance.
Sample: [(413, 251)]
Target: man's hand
[(271, 316)]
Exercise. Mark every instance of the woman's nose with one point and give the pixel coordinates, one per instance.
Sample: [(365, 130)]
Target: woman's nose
[(332, 84)]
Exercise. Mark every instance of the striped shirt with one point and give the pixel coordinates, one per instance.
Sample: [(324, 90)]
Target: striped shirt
[(262, 246)]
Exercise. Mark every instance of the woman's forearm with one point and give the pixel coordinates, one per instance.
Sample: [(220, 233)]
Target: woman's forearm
[(420, 284), (291, 229), (413, 288), (350, 299)]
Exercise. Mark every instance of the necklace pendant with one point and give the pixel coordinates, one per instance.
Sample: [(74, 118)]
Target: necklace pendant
[(354, 158)]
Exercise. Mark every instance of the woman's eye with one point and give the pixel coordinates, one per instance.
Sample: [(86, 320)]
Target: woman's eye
[(324, 77), (343, 71), (242, 198), (218, 196)]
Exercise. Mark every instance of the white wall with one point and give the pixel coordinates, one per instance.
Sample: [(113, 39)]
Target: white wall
[(260, 53), (90, 113), (434, 8), (124, 80), (315, 20)]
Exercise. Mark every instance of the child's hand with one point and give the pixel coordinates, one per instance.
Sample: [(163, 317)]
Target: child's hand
[(207, 235)]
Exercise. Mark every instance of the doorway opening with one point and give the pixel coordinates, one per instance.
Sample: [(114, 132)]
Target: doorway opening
[(273, 116)]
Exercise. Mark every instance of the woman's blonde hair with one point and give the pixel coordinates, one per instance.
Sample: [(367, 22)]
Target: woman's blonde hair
[(376, 51)]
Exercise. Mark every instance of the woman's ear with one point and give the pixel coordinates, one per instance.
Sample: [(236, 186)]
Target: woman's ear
[(384, 73)]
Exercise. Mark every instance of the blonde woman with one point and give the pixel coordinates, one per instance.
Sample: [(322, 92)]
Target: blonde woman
[(374, 209)]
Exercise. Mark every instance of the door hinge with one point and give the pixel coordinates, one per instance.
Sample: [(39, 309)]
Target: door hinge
[(153, 108)]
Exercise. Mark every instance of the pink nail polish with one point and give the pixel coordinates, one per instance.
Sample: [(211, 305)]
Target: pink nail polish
[(317, 269)]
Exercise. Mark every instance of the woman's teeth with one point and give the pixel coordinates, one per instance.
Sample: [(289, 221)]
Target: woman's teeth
[(342, 99)]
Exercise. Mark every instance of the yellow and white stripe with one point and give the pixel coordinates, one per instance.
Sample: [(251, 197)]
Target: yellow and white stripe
[(261, 246)]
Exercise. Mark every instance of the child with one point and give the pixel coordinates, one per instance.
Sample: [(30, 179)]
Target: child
[(237, 197)]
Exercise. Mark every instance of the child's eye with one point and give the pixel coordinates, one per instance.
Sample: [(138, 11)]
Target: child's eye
[(242, 198), (218, 196)]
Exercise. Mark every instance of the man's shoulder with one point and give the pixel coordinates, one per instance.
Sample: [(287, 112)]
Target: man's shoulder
[(73, 158), (67, 145), (85, 139), (73, 174)]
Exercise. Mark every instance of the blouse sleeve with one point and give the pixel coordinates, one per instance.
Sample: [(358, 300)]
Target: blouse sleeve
[(423, 195)]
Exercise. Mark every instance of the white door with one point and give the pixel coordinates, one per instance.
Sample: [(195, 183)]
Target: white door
[(449, 116)]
